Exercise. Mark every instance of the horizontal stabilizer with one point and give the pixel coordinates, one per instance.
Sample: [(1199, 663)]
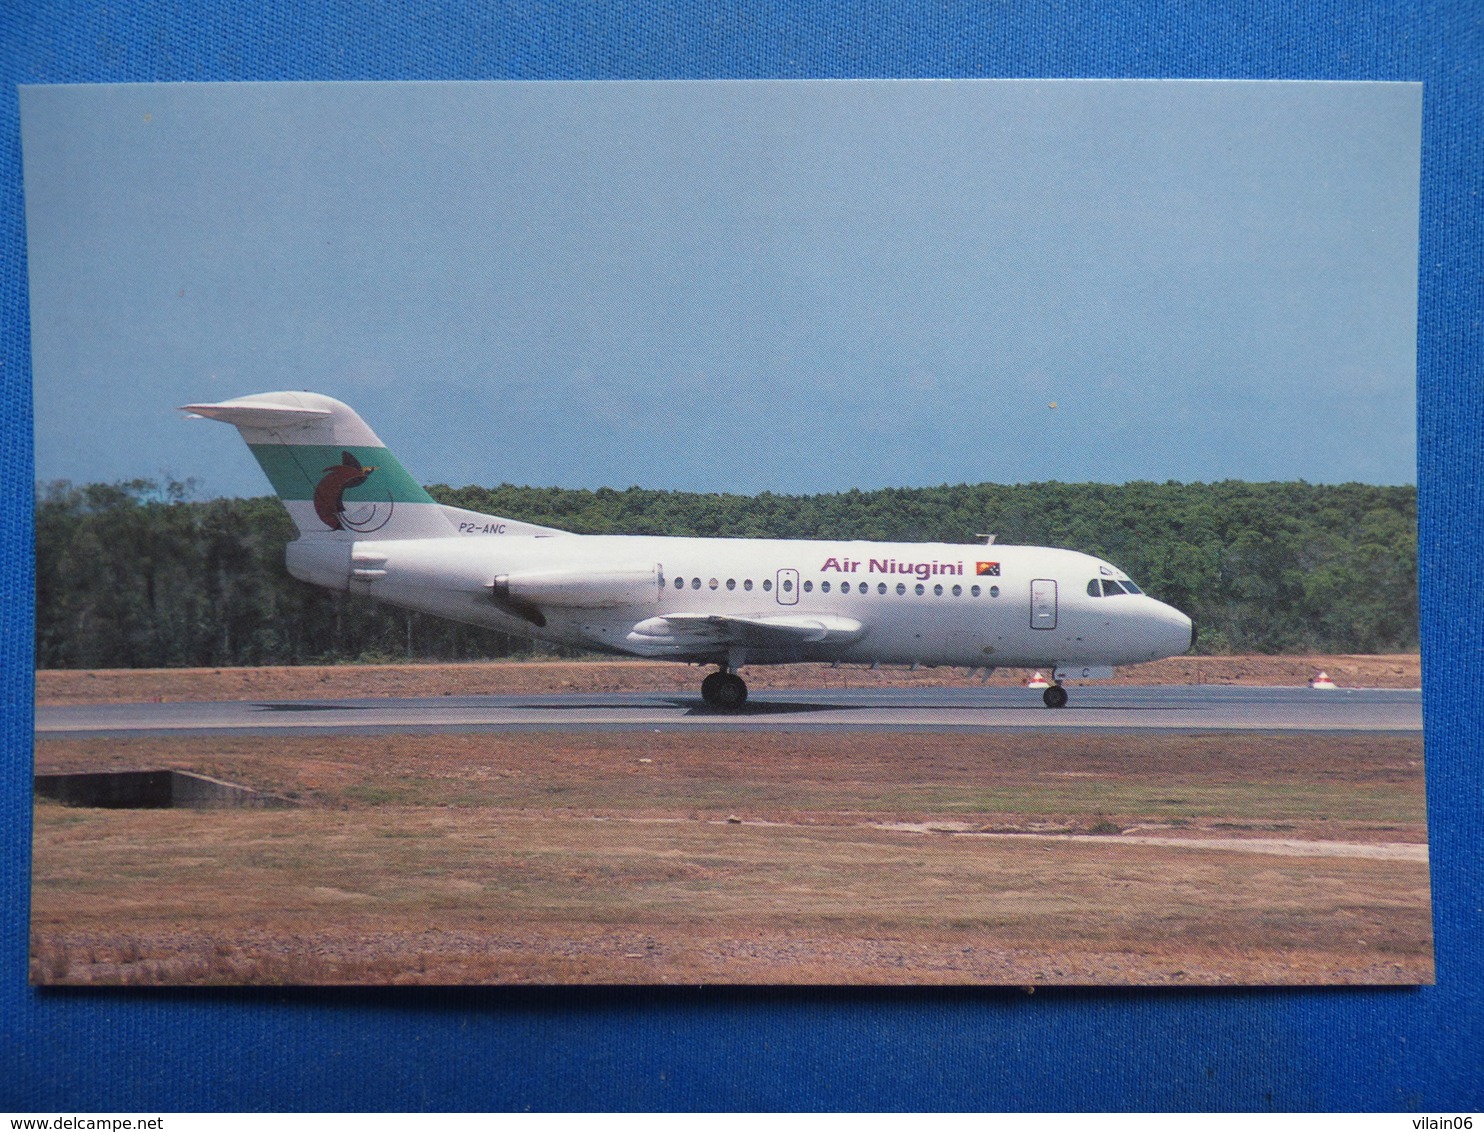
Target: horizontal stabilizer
[(247, 413)]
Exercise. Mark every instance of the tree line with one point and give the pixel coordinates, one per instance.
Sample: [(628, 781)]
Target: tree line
[(139, 574)]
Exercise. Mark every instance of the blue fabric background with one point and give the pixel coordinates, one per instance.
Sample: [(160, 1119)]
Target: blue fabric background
[(730, 1049)]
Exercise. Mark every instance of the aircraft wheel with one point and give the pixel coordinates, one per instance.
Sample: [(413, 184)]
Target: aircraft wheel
[(725, 691), (1054, 696)]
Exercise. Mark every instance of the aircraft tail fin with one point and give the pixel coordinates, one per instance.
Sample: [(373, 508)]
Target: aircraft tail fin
[(333, 474)]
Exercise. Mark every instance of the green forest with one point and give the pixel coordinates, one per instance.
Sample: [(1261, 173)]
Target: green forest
[(139, 574)]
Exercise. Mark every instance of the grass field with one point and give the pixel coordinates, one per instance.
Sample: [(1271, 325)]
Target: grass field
[(776, 857)]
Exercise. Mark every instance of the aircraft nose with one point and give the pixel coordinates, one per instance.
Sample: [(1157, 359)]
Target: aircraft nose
[(1174, 632)]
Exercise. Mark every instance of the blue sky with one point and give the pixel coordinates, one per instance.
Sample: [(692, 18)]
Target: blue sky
[(734, 286)]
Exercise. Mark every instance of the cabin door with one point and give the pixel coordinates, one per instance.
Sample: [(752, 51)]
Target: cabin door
[(788, 587), (1043, 604)]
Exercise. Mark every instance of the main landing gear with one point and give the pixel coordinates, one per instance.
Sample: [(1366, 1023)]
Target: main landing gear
[(1054, 696), (724, 691)]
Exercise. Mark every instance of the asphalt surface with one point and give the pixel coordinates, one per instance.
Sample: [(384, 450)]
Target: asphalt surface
[(972, 708)]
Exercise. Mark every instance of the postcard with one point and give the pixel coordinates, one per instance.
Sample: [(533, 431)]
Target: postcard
[(870, 532)]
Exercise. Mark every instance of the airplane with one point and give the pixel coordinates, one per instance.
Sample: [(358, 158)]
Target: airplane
[(367, 527)]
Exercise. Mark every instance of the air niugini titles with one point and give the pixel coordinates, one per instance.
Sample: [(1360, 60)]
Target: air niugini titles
[(919, 570)]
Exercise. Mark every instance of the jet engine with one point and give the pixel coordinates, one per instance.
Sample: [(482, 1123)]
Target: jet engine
[(595, 587)]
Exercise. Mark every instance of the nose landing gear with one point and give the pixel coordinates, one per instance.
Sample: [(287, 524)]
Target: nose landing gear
[(724, 691), (1054, 696)]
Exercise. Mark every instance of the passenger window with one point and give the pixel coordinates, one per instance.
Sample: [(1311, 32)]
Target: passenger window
[(824, 587), (920, 589), (958, 591), (937, 591), (731, 583), (994, 591), (808, 587), (680, 583), (767, 583), (901, 587), (788, 585), (844, 587), (695, 583), (1092, 589), (973, 591), (714, 583), (747, 585), (881, 587)]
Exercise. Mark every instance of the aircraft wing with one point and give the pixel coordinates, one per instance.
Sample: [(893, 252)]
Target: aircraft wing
[(782, 631)]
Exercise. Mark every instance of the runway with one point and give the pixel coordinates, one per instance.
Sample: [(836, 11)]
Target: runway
[(1123, 708)]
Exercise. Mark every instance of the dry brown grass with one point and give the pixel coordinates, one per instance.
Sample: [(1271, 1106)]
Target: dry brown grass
[(1356, 786), (611, 858)]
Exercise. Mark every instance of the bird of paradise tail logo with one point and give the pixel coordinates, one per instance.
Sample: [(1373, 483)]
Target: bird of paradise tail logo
[(329, 498)]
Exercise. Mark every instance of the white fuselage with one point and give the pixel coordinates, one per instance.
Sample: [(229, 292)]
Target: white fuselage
[(367, 527), (888, 603)]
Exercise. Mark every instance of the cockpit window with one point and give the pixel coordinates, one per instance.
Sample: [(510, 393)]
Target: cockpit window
[(1111, 587), (1092, 589), (1133, 589)]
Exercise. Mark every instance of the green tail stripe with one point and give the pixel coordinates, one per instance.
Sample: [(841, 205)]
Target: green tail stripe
[(295, 470)]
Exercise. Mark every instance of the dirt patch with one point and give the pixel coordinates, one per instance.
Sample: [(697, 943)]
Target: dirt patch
[(725, 858), (1275, 846), (119, 685)]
